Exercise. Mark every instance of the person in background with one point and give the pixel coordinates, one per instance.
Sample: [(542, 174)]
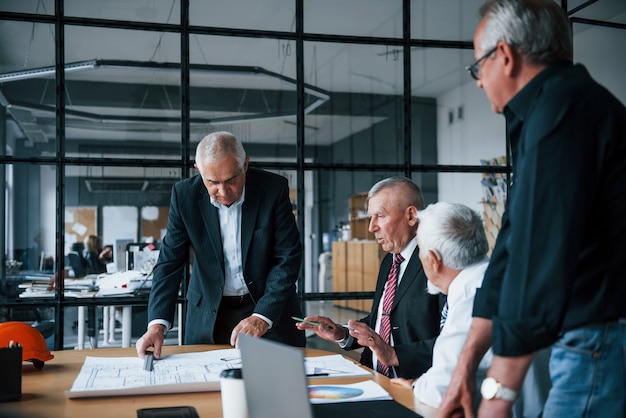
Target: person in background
[(413, 315), (106, 255), (556, 276), (91, 255), (247, 248)]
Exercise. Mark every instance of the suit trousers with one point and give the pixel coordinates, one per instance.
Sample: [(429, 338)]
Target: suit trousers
[(232, 310)]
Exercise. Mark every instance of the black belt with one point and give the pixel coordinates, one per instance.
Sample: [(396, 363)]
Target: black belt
[(237, 300)]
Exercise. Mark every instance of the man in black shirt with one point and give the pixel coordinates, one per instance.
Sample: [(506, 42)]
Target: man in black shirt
[(556, 276)]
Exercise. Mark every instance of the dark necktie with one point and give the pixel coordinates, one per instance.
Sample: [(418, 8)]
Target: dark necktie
[(444, 316), (390, 294)]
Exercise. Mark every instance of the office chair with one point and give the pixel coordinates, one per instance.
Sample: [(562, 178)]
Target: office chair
[(76, 261)]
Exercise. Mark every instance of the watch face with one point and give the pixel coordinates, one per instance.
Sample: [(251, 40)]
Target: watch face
[(489, 388)]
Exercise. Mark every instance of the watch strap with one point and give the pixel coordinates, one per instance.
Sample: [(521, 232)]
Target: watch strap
[(506, 394)]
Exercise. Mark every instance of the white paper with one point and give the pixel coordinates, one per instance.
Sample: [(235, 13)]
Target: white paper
[(176, 373), (335, 365)]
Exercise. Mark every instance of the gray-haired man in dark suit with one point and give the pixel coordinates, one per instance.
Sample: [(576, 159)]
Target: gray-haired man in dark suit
[(247, 253)]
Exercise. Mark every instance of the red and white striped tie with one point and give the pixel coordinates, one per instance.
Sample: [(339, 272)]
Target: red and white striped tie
[(390, 294)]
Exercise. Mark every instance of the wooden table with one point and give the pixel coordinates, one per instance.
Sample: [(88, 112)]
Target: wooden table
[(43, 391)]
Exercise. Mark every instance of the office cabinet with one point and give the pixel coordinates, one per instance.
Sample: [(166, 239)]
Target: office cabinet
[(355, 269), (340, 271)]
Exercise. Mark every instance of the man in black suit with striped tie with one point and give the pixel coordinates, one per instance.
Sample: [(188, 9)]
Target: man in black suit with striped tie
[(400, 331)]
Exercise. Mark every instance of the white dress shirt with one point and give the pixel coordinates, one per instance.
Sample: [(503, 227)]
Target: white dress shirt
[(230, 229), (430, 386)]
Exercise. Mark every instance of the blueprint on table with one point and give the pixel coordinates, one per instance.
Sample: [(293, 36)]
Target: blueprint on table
[(180, 373)]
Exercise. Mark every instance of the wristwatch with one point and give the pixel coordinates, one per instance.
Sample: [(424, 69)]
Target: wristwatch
[(492, 389)]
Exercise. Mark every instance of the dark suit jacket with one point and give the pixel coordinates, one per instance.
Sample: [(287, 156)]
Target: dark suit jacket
[(271, 254), (415, 317)]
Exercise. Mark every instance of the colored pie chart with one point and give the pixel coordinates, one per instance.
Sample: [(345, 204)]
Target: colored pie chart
[(333, 392)]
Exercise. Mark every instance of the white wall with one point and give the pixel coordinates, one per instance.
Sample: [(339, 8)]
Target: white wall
[(603, 52), (481, 133)]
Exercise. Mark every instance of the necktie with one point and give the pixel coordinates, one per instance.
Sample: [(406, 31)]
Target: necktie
[(390, 294), (444, 316)]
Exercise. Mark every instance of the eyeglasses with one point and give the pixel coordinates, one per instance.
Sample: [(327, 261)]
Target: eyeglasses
[(474, 68)]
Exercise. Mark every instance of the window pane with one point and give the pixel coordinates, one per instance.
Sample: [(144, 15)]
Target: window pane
[(28, 6), (231, 91), (362, 121), (337, 221), (136, 10), (124, 102), (29, 215), (354, 17), (449, 20), (105, 188), (27, 77), (467, 130), (28, 245), (604, 64), (259, 14)]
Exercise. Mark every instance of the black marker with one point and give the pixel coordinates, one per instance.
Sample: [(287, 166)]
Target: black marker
[(147, 365)]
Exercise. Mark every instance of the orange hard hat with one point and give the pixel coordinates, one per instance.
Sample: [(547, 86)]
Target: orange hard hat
[(34, 347)]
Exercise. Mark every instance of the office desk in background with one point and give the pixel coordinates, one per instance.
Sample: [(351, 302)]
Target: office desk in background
[(90, 289), (43, 391)]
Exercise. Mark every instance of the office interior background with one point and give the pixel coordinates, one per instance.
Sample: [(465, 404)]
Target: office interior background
[(104, 102)]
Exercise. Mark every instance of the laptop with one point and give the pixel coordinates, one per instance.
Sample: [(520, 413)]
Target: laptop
[(274, 378), (276, 386)]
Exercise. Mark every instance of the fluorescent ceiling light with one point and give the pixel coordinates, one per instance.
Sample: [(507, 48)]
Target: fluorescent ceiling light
[(46, 71)]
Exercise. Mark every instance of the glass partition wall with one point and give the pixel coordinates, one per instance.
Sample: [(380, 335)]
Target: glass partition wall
[(103, 104)]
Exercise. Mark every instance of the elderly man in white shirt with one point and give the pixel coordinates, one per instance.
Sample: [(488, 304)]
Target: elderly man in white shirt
[(453, 250)]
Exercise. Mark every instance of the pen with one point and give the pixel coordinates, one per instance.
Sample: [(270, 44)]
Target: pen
[(317, 375), (147, 365), (317, 324)]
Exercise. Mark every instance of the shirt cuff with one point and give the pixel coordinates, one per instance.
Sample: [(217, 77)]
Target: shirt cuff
[(486, 303), (160, 322), (345, 341)]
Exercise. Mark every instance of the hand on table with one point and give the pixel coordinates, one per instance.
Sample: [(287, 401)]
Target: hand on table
[(252, 325), (458, 399), (152, 338)]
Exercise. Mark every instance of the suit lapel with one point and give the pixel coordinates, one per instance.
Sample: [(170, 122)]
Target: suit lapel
[(249, 211), (211, 221), (408, 278)]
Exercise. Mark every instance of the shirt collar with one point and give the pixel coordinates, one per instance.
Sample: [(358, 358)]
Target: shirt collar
[(407, 252), (520, 104)]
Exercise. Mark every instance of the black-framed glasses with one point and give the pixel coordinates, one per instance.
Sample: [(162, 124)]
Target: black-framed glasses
[(474, 68)]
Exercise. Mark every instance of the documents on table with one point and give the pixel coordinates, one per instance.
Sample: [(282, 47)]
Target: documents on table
[(178, 373), (92, 286), (333, 366)]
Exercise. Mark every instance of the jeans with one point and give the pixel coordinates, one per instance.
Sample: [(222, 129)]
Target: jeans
[(588, 372)]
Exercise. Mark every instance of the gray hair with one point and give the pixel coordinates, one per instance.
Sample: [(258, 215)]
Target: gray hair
[(411, 194), (454, 231), (215, 146), (538, 29)]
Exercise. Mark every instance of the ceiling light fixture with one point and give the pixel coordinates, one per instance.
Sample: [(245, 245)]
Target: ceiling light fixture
[(46, 71)]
